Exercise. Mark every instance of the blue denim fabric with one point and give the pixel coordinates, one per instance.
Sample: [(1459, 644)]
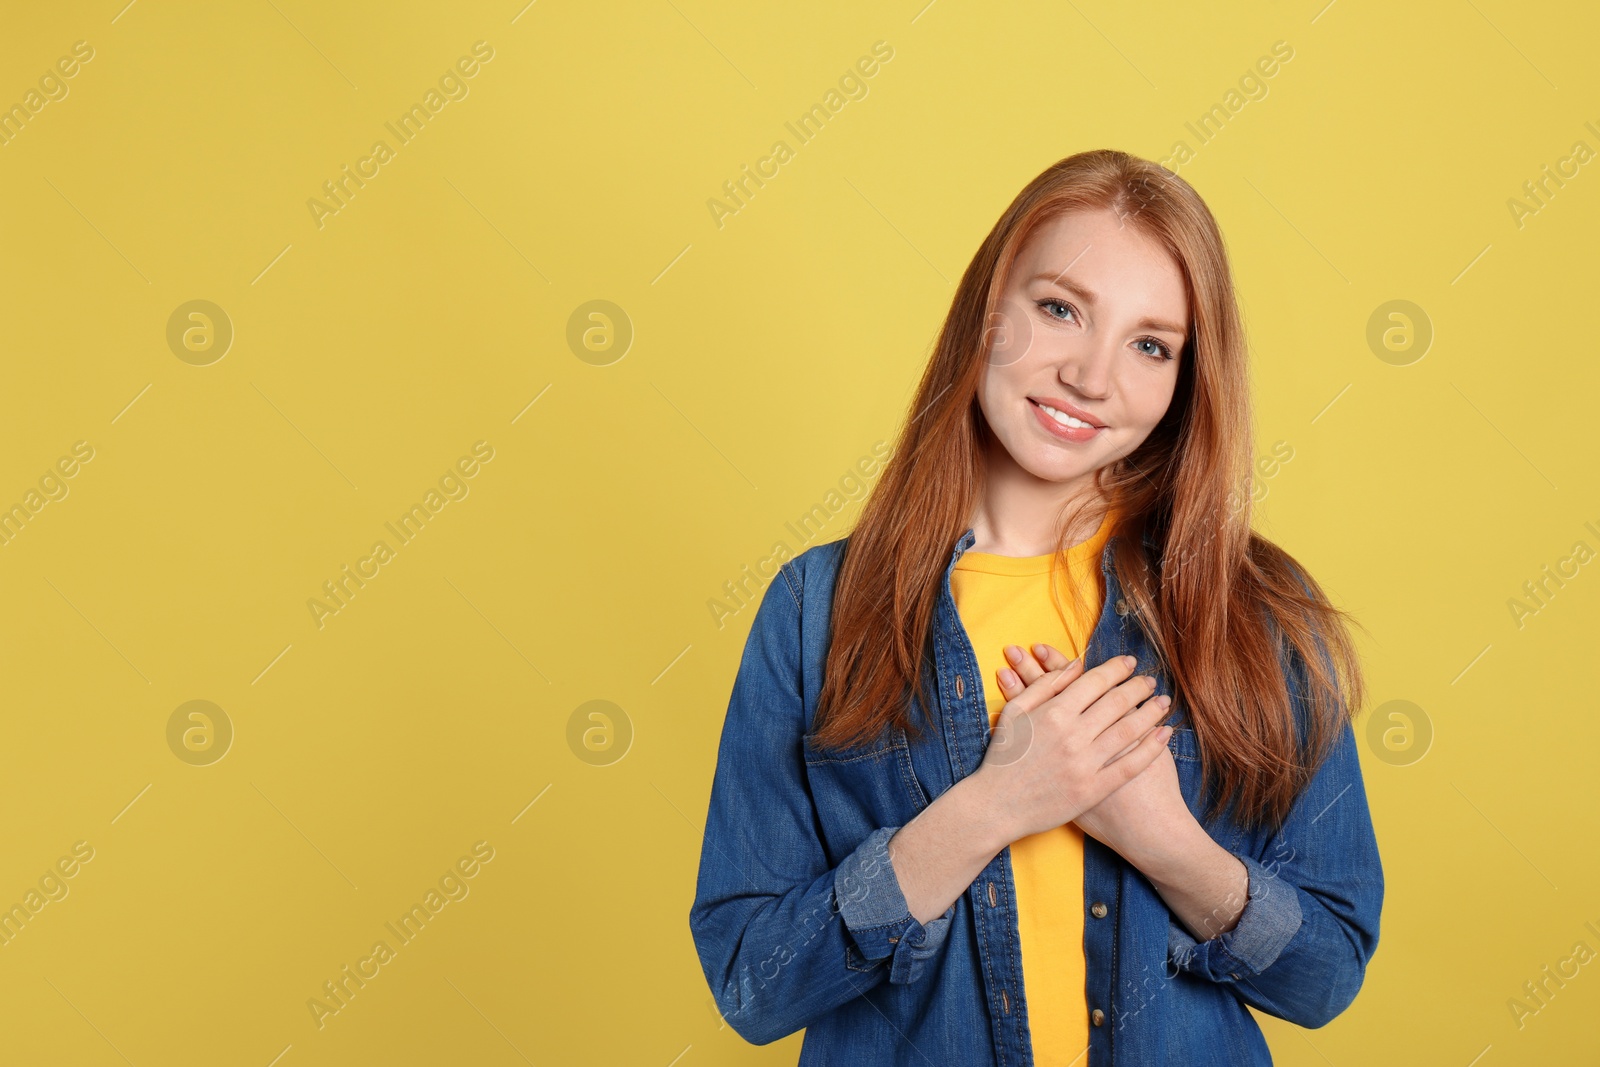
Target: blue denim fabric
[(799, 920)]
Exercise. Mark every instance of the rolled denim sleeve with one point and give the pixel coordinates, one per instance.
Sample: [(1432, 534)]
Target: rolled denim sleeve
[(874, 910), (1269, 921)]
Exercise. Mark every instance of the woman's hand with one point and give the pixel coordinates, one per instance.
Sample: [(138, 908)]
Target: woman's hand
[(1133, 818), (1054, 754)]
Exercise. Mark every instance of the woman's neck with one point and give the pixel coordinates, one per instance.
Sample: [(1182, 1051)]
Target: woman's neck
[(1019, 514)]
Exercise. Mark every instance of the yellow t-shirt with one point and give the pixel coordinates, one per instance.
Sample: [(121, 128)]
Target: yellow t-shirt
[(1005, 600)]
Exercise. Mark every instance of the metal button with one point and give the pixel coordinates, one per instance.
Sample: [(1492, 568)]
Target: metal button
[(1097, 1016), (1098, 910), (1122, 606)]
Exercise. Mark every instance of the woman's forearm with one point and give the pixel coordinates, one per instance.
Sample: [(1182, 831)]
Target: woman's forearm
[(1202, 883), (937, 854)]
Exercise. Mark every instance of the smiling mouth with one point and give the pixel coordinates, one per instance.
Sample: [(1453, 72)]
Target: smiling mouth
[(1062, 417)]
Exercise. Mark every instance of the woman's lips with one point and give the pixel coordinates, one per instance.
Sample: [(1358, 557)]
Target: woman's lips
[(1077, 434)]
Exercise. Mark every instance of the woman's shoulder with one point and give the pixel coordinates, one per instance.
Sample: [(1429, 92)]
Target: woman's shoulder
[(819, 562)]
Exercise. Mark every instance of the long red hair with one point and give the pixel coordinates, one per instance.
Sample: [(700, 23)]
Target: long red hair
[(1222, 605)]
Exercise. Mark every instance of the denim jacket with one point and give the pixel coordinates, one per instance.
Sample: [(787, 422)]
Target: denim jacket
[(799, 920)]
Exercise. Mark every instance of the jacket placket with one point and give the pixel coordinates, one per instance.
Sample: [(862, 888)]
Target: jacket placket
[(966, 727)]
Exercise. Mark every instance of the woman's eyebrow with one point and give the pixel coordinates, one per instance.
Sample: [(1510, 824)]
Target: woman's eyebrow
[(1088, 297)]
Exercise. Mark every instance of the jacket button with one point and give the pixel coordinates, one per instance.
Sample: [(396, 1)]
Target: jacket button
[(1097, 1016), (1098, 910), (1122, 606)]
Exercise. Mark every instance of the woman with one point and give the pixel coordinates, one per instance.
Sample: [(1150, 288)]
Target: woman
[(928, 846)]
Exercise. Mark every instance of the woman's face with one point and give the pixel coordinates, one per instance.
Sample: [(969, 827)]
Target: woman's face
[(1092, 323)]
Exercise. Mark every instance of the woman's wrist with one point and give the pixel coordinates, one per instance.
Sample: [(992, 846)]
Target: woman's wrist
[(1203, 884), (937, 855), (987, 812)]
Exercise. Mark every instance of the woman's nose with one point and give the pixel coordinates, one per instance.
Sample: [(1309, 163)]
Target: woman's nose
[(1088, 369)]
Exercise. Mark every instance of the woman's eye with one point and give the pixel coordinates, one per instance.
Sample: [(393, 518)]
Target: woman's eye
[(1161, 351)]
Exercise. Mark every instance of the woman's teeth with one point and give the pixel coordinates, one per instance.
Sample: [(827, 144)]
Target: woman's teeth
[(1066, 420)]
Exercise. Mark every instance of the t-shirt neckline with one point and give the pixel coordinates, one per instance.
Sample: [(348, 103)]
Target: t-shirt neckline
[(1022, 566)]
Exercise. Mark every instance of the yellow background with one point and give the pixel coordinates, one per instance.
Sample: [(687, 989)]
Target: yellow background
[(768, 356)]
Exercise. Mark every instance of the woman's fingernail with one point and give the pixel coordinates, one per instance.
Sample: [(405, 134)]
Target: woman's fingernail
[(1164, 700), (1041, 651), (1008, 677), (1013, 653)]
